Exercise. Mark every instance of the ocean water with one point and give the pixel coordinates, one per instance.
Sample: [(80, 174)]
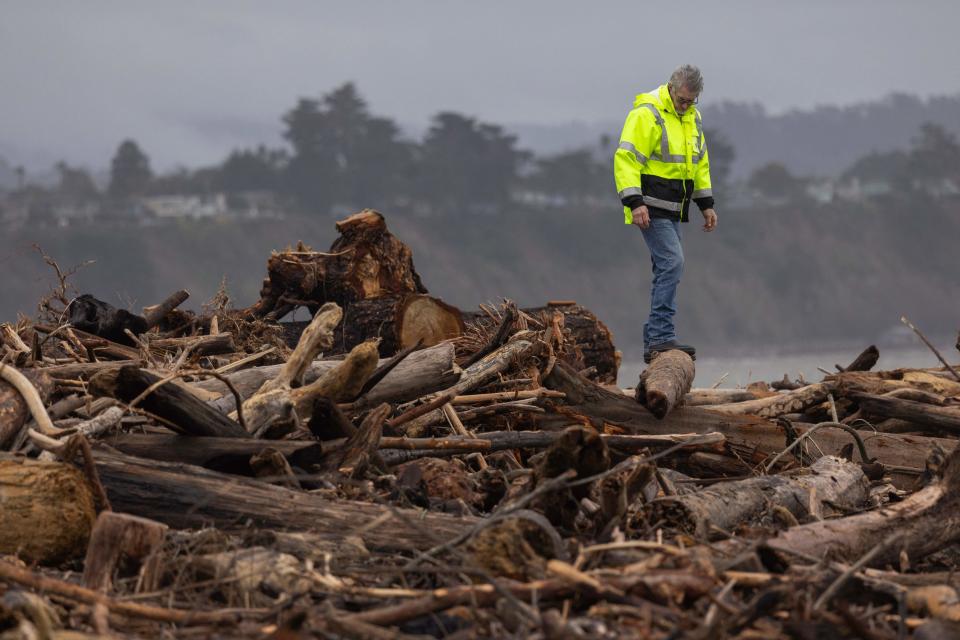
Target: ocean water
[(739, 370)]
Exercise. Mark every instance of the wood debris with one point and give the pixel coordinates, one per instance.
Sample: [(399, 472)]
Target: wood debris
[(399, 468)]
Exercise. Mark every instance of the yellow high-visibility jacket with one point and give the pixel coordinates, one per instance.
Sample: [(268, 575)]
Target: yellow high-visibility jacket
[(662, 159)]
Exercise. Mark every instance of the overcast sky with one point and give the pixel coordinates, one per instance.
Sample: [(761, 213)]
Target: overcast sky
[(190, 80)]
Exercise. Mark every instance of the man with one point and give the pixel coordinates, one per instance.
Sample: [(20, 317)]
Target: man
[(661, 165)]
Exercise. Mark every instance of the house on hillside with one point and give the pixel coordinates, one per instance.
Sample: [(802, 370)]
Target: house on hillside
[(168, 207)]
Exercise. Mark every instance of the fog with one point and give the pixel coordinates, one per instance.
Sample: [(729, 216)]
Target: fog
[(191, 80)]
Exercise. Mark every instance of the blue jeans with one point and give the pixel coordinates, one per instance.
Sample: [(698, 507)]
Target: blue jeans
[(666, 254)]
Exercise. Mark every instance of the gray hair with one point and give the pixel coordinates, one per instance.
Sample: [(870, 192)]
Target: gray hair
[(687, 76)]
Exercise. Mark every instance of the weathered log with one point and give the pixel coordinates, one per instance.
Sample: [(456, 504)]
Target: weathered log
[(199, 345), (778, 405), (420, 373), (366, 261), (945, 418), (272, 402), (863, 362), (269, 412), (731, 505), (590, 338), (927, 521), (116, 536), (46, 510), (155, 313), (227, 455), (664, 383), (398, 320), (357, 452), (472, 377), (602, 406), (104, 320), (85, 370), (184, 496), (702, 397), (181, 410), (14, 411), (903, 455), (232, 455)]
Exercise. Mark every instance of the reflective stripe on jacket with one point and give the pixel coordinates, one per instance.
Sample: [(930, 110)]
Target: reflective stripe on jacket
[(662, 157)]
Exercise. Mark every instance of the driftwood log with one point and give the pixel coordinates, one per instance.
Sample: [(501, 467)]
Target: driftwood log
[(46, 510), (180, 409), (919, 413), (398, 320), (779, 404), (420, 373), (401, 320), (272, 404), (233, 455), (702, 397), (927, 521), (472, 377), (184, 496), (725, 507), (103, 319), (664, 383), (14, 411), (602, 407), (592, 340)]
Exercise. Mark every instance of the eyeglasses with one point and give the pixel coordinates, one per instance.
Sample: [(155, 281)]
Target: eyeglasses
[(681, 101)]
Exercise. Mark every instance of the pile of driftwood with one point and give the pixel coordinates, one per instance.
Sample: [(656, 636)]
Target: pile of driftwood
[(407, 469)]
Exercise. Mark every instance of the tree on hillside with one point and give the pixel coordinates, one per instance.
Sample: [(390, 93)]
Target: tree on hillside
[(342, 154), (775, 182), (573, 175), (468, 164), (935, 154), (130, 172), (722, 155), (252, 170), (76, 183)]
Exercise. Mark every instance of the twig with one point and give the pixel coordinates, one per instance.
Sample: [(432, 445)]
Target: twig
[(27, 578), (809, 432), (423, 409), (904, 320), (236, 364)]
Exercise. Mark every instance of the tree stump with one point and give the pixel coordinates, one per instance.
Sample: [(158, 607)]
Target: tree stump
[(366, 261)]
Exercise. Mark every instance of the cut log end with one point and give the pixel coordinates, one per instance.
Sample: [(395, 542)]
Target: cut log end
[(665, 382), (46, 511), (427, 320)]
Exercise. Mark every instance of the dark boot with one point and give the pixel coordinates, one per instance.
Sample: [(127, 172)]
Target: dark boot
[(654, 349)]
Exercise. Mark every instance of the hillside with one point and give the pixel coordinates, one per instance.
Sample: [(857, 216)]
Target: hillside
[(786, 276)]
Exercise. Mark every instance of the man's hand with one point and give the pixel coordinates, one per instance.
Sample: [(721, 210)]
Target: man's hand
[(641, 216), (709, 219)]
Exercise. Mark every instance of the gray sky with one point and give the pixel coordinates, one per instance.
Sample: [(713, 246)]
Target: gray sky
[(191, 80)]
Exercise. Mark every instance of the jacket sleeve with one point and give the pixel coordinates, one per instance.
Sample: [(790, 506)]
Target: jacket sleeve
[(702, 187), (637, 140)]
